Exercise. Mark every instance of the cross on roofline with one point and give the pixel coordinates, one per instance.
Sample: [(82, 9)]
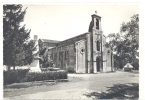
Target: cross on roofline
[(96, 12)]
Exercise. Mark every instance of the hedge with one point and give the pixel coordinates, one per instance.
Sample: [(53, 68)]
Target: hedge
[(50, 69), (14, 76), (17, 76), (51, 75)]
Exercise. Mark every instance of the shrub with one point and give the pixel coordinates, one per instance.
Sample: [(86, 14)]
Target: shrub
[(51, 75), (136, 64), (70, 70), (49, 69), (14, 76)]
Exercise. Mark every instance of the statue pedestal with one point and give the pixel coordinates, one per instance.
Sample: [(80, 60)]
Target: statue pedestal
[(35, 65)]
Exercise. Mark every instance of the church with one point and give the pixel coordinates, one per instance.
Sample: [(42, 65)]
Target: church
[(85, 53)]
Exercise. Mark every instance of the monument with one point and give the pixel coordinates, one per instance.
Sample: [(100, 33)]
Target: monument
[(34, 66)]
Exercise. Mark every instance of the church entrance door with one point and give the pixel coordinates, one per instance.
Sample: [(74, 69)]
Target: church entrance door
[(98, 64)]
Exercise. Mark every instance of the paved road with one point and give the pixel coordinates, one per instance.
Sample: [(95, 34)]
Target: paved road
[(78, 86)]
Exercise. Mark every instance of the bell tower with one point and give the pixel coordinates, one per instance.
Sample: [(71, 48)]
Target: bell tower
[(96, 43), (95, 24)]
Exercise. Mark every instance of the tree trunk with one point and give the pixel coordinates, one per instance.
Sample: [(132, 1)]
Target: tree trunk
[(8, 68), (14, 67)]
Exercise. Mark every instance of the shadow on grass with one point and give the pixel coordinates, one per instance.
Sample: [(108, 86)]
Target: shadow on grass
[(118, 91)]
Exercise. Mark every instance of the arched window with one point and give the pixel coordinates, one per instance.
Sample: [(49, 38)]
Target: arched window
[(66, 55), (97, 24), (98, 45)]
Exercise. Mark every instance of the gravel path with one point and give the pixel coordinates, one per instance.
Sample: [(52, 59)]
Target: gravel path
[(76, 88)]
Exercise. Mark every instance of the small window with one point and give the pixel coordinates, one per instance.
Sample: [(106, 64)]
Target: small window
[(55, 56), (98, 45), (108, 52), (82, 50), (66, 55), (59, 55)]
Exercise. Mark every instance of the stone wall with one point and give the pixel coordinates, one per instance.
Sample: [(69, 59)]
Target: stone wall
[(64, 54)]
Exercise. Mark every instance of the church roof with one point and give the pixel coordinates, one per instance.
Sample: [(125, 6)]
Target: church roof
[(50, 41), (69, 39)]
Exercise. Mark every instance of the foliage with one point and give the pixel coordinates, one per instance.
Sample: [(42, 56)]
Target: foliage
[(45, 58), (14, 76), (136, 64), (70, 70), (126, 43), (118, 92), (51, 75), (43, 55), (17, 50)]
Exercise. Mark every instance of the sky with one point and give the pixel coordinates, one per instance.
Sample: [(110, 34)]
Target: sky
[(63, 21)]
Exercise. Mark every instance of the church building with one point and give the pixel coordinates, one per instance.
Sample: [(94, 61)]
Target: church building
[(85, 53)]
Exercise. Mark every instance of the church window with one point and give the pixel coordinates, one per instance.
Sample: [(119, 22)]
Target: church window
[(59, 55), (52, 56), (82, 50), (97, 24), (66, 55), (98, 45), (55, 56), (108, 52)]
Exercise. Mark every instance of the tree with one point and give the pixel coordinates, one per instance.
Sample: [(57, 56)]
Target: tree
[(131, 35), (126, 43), (17, 50)]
